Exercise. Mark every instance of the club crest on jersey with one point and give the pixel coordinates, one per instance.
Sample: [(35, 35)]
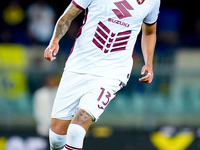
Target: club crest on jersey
[(140, 1)]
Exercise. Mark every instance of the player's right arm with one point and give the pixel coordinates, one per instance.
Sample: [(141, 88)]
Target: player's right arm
[(60, 30)]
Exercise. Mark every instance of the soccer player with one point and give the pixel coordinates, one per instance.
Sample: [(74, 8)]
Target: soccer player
[(100, 62)]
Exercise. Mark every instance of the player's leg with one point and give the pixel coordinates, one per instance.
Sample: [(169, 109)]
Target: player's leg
[(91, 106), (77, 130), (65, 106), (59, 126), (57, 133)]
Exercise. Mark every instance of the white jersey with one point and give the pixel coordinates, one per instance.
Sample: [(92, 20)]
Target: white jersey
[(104, 45)]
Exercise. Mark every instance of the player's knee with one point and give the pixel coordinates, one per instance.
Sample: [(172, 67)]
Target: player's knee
[(76, 131), (75, 135), (56, 141)]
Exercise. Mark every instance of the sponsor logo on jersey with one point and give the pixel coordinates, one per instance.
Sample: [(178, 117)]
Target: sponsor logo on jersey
[(140, 1), (123, 9), (109, 41), (118, 22)]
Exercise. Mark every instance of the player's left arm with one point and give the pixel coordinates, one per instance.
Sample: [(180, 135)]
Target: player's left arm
[(148, 46)]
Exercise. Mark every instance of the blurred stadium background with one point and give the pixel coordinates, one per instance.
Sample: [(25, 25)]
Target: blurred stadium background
[(162, 116)]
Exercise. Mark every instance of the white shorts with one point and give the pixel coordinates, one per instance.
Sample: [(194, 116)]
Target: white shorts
[(89, 92)]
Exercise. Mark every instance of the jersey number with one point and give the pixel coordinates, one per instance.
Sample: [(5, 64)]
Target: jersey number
[(103, 103)]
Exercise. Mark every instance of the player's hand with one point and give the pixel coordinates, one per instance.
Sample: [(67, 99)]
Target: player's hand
[(51, 51), (147, 73)]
